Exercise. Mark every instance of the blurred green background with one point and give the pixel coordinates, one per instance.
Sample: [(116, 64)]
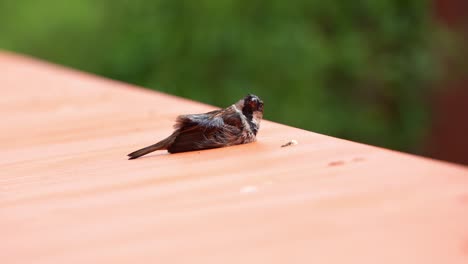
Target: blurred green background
[(360, 70)]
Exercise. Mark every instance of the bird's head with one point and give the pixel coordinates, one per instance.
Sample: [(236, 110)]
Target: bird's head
[(251, 104), (252, 108)]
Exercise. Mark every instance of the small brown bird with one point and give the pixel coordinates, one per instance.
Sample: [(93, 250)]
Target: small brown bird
[(236, 124)]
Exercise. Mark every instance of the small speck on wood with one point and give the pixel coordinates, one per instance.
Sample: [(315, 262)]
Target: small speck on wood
[(336, 163), (290, 143)]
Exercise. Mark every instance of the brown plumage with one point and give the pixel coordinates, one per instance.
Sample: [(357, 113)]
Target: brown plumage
[(236, 124)]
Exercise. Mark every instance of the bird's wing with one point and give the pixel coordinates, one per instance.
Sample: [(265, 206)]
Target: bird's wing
[(210, 119), (204, 131)]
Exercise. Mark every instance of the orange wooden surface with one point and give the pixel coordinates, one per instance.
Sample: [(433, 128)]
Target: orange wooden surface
[(68, 194)]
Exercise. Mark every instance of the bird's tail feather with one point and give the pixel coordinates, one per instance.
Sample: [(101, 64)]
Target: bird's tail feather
[(163, 144)]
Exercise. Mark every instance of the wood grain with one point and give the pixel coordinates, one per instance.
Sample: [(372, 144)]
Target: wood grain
[(68, 194)]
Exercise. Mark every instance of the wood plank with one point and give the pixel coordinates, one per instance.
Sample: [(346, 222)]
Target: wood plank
[(68, 194)]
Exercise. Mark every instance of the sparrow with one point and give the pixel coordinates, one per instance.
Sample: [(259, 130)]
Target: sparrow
[(234, 125)]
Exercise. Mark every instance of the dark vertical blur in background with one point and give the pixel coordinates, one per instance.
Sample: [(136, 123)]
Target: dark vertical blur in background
[(383, 72), (448, 134)]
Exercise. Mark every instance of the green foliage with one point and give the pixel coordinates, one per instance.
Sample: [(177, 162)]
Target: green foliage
[(354, 69)]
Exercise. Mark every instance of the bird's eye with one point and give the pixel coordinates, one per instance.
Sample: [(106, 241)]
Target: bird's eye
[(253, 104)]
